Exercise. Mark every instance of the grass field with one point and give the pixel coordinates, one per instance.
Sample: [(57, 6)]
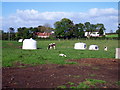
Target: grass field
[(12, 53), (112, 35)]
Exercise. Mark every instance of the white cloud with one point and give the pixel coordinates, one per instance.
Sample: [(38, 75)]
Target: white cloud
[(28, 18), (102, 12)]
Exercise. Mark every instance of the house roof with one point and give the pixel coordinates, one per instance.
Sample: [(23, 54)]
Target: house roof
[(43, 34)]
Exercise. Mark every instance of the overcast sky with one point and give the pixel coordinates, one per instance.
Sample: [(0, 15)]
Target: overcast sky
[(33, 14)]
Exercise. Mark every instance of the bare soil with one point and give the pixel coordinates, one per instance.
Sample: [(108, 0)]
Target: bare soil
[(54, 75)]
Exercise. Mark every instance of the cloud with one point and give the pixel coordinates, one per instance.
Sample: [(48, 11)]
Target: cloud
[(32, 18), (102, 12)]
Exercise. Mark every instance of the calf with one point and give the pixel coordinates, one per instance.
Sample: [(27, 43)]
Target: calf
[(51, 45), (105, 49), (62, 55)]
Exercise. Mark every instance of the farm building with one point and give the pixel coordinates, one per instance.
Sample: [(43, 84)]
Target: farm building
[(43, 35), (80, 46), (93, 47), (93, 34), (29, 44)]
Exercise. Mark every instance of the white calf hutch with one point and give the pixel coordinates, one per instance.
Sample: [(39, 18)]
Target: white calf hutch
[(29, 44), (93, 47), (80, 45), (20, 40)]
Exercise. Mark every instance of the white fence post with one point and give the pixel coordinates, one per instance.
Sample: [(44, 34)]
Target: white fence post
[(117, 56)]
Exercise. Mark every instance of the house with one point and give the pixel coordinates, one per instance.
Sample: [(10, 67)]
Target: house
[(93, 34), (43, 35)]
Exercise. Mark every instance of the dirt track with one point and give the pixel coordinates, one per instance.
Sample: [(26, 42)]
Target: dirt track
[(53, 75)]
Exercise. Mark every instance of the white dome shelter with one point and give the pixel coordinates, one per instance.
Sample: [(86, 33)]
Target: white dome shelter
[(80, 46), (29, 44), (93, 47), (20, 40)]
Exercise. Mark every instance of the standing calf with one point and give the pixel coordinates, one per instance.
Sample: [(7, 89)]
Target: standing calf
[(51, 45)]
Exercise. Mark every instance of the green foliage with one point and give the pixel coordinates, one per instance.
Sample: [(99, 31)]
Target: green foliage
[(71, 83), (88, 83), (79, 30), (64, 28), (62, 86), (24, 33), (83, 85), (118, 83), (118, 31), (101, 32), (93, 81)]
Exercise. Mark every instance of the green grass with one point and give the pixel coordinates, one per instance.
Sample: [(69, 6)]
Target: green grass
[(92, 75), (11, 52), (112, 35), (118, 83), (88, 83)]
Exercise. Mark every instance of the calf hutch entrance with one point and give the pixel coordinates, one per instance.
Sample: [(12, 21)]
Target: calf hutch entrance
[(80, 46), (29, 44), (93, 47)]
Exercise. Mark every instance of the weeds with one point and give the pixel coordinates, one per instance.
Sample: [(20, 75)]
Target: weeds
[(88, 83)]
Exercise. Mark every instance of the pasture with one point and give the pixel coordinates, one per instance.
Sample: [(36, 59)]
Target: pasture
[(42, 68), (12, 52), (112, 36)]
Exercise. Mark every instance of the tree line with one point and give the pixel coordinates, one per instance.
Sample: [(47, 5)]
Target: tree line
[(65, 28), (24, 32)]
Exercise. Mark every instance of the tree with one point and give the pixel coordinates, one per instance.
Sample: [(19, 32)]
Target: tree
[(100, 27), (24, 33), (64, 28), (10, 31), (45, 28), (101, 32), (79, 30), (1, 32), (118, 31), (87, 26)]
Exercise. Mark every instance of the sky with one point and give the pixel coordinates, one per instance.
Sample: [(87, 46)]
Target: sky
[(33, 14)]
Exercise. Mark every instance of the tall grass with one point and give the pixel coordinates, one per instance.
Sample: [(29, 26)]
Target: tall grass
[(12, 52)]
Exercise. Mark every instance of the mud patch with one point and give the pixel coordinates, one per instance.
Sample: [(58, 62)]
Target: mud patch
[(54, 75)]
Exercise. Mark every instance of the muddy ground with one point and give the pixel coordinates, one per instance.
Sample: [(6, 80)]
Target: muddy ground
[(54, 76)]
